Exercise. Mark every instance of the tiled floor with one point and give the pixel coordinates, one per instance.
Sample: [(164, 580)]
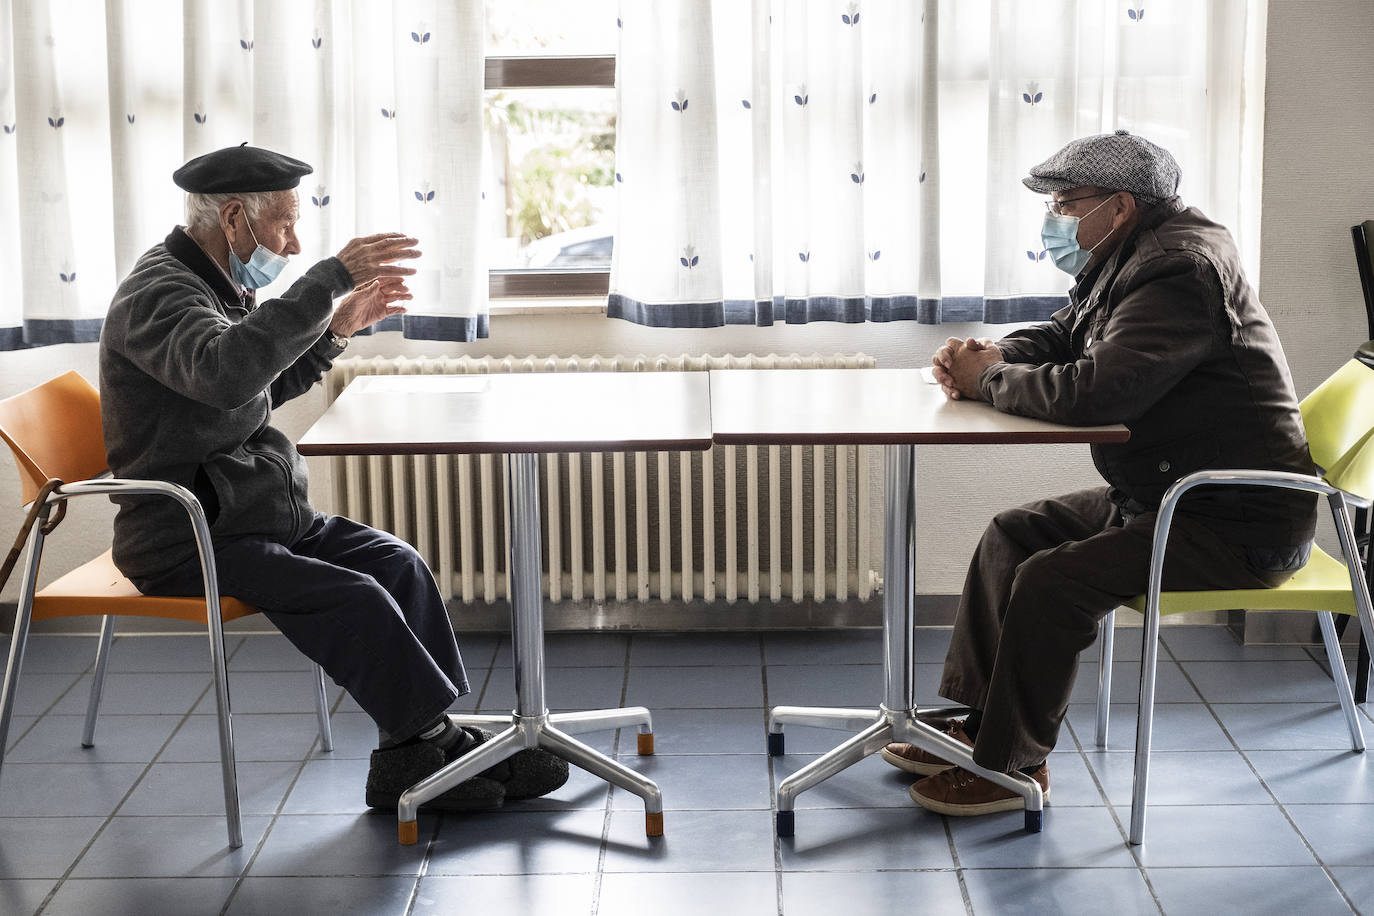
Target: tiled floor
[(1259, 805)]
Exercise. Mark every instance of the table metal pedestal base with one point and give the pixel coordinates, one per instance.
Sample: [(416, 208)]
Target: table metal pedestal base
[(896, 719), (530, 724)]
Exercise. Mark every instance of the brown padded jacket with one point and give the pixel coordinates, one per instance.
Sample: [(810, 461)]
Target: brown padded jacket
[(1167, 337)]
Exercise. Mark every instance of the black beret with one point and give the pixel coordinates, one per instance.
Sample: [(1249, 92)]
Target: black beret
[(240, 169)]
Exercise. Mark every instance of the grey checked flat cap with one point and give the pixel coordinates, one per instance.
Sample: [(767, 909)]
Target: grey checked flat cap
[(1120, 161)]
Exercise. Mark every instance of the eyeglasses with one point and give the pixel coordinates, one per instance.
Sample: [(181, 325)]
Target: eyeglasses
[(1057, 206)]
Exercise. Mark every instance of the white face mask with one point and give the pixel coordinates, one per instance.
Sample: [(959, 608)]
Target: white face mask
[(262, 268), (1059, 234)]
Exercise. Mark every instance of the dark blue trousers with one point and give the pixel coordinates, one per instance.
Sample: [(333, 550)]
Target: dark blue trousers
[(358, 602)]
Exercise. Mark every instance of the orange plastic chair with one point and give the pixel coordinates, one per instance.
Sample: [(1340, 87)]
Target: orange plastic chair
[(55, 433)]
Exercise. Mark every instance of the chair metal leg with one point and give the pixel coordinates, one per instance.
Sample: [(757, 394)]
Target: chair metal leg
[(1149, 658), (322, 710), (102, 660), (1337, 663), (1105, 637), (23, 616)]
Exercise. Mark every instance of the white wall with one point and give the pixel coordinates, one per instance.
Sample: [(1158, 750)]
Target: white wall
[(1318, 180)]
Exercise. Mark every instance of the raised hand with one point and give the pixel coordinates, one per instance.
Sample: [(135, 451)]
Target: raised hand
[(376, 255), (369, 304)]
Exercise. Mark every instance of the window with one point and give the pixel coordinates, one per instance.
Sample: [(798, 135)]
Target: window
[(550, 123)]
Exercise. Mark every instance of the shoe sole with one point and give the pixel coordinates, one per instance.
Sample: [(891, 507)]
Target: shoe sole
[(1015, 803), (381, 800), (914, 766)]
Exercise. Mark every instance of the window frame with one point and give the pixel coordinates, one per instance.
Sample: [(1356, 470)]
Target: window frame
[(553, 71)]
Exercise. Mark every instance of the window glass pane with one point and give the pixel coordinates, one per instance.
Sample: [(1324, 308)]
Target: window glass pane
[(551, 27), (552, 177)]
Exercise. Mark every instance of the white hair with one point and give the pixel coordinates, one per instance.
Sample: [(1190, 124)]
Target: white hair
[(202, 210)]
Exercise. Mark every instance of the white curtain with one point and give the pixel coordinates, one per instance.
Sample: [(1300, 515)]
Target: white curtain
[(802, 160), (99, 104)]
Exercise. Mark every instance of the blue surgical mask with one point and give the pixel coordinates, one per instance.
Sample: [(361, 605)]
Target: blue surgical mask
[(262, 268), (1059, 234)]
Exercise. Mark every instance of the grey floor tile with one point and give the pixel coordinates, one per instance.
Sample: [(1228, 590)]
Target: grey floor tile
[(1071, 781), (1071, 838), (672, 649), (1217, 835), (130, 694), (742, 894), (169, 847), (505, 895), (518, 842), (704, 731), (1170, 684), (825, 685), (268, 653), (65, 789), (870, 893), (154, 654), (19, 729), (1177, 727), (575, 650), (341, 895), (834, 839), (330, 786), (692, 841), (270, 692), (702, 782), (726, 686), (339, 844), (1126, 642), (21, 897), (197, 788), (355, 735), (1283, 726), (97, 896), (870, 783), (43, 847), (1062, 891), (482, 650), (1358, 884), (1339, 834), (1262, 682), (842, 647), (1219, 644), (1181, 778), (257, 736), (564, 688), (38, 692), (118, 739), (1200, 891), (1316, 777), (55, 654)]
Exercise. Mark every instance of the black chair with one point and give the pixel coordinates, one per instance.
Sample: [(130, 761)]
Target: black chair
[(1363, 235)]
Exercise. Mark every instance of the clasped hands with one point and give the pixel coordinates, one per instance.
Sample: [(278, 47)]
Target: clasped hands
[(960, 362), (379, 282)]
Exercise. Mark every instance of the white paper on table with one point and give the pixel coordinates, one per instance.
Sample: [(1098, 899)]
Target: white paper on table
[(421, 384)]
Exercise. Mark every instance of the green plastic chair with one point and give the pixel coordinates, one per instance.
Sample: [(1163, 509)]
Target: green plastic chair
[(1339, 417)]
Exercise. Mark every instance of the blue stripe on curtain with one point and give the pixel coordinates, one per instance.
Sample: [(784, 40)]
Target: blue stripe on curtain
[(43, 332), (439, 327), (849, 310)]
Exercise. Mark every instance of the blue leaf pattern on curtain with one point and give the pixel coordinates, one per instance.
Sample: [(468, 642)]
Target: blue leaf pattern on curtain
[(926, 115), (186, 78)]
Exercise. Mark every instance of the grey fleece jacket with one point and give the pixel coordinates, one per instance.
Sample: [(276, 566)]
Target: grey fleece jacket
[(189, 374)]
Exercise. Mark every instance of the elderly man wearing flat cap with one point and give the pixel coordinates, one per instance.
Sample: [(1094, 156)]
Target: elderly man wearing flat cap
[(1163, 334), (191, 365)]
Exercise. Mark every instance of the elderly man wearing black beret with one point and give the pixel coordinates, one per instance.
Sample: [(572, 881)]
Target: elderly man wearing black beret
[(191, 365), (1163, 334)]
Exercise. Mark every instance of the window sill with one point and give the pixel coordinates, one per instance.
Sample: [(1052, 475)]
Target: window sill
[(547, 307)]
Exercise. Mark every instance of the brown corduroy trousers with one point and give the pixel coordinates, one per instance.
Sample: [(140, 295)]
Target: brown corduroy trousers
[(1043, 576)]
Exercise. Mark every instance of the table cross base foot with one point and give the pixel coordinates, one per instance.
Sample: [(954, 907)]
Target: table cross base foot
[(541, 731), (890, 725)]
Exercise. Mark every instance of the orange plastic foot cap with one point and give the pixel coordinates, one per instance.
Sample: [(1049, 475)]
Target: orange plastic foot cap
[(653, 824), (645, 744), (408, 832)]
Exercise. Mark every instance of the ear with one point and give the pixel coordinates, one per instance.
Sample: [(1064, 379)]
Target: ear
[(1123, 209)]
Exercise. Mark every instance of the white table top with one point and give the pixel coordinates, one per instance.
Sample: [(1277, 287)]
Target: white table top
[(515, 412), (867, 407)]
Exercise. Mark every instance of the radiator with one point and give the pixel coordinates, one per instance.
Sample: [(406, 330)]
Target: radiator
[(755, 523)]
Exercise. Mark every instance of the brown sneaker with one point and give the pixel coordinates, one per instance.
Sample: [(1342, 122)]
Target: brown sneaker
[(960, 793), (911, 758)]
